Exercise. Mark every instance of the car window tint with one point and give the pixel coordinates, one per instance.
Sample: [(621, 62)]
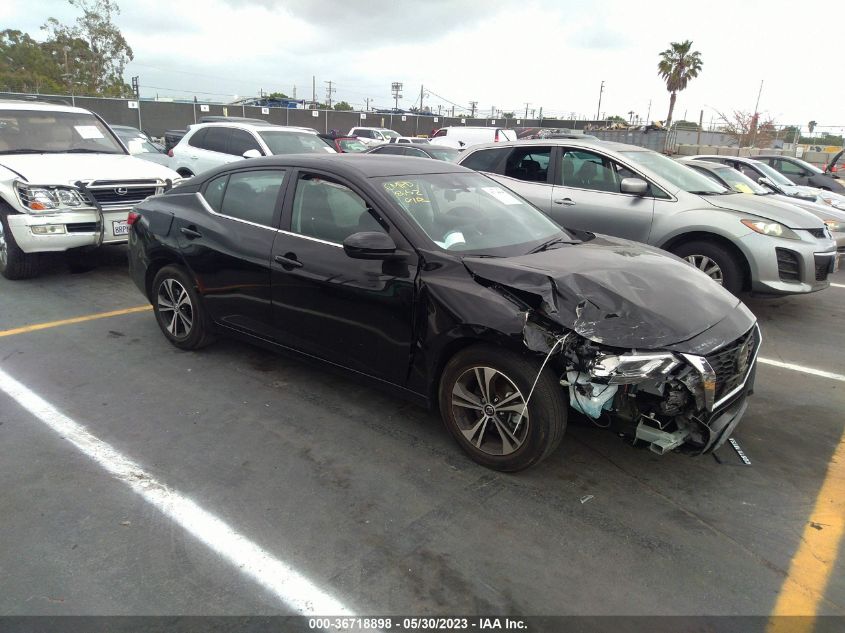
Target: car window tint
[(329, 211), (790, 169), (252, 195), (441, 133), (198, 138), (216, 139), (413, 151), (390, 149), (749, 171), (213, 193), (529, 163), (485, 159), (241, 141), (586, 170)]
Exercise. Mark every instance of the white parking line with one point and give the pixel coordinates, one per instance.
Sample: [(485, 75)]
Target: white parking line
[(837, 285), (276, 576), (804, 370)]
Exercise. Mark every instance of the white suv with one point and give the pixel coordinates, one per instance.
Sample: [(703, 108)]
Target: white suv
[(66, 181), (374, 135), (209, 145), (463, 136)]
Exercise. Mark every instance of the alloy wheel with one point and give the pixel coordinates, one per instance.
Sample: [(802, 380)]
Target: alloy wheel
[(490, 411), (175, 308), (707, 266)]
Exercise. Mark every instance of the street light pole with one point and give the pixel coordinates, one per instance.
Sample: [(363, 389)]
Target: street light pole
[(598, 109)]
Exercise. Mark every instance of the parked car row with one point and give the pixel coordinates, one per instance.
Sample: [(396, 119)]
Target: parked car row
[(503, 283)]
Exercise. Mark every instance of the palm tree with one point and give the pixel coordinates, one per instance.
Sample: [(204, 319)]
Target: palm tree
[(677, 66)]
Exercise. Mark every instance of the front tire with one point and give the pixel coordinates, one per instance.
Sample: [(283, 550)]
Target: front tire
[(482, 398), (14, 263), (715, 261), (179, 309)]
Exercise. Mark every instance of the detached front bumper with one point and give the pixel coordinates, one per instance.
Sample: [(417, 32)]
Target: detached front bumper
[(73, 229), (783, 267)]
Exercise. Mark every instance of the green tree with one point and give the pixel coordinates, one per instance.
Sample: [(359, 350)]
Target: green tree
[(617, 119), (677, 66), (812, 126), (277, 95), (342, 105), (92, 49), (508, 115), (25, 65)]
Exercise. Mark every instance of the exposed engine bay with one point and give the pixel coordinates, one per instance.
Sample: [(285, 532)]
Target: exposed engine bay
[(661, 399)]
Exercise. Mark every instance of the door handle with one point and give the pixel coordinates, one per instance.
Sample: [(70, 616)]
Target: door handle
[(567, 202), (288, 262), (190, 232)]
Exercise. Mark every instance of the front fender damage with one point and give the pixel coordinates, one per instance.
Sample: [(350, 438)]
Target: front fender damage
[(611, 357)]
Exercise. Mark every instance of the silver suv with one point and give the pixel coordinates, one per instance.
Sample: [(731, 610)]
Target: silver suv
[(741, 242)]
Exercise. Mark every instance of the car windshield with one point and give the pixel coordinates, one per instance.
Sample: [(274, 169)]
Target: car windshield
[(683, 177), (739, 182), (471, 213), (810, 168), (286, 142), (352, 145), (37, 131), (448, 154), (389, 134)]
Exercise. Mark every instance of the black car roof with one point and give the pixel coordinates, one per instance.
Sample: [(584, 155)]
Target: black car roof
[(353, 165)]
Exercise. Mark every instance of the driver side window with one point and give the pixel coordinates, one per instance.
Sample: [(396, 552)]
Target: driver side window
[(586, 170), (329, 211)]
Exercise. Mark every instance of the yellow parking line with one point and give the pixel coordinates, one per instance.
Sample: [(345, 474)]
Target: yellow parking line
[(814, 561), (90, 317)]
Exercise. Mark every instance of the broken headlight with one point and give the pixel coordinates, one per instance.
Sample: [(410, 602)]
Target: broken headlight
[(41, 198), (633, 368)]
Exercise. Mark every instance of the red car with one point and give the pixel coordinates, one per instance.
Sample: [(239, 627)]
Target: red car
[(344, 144)]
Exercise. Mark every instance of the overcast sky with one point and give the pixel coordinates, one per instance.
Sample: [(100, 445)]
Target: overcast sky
[(500, 53)]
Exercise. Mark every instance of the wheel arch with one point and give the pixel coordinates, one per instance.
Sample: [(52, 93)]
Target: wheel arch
[(159, 261), (706, 236)]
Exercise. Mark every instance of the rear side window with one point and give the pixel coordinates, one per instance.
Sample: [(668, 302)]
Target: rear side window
[(485, 159), (198, 139), (252, 195), (413, 151), (213, 193), (529, 163), (216, 139), (441, 133), (390, 149)]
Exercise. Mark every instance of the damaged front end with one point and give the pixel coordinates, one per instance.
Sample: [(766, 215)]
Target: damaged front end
[(661, 399)]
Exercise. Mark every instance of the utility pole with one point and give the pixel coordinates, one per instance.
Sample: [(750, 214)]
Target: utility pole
[(421, 98), (367, 100), (472, 105), (136, 90), (755, 118), (601, 90), (396, 88), (700, 123), (294, 92), (541, 115), (526, 109), (631, 116), (329, 91), (648, 115), (492, 112), (314, 92)]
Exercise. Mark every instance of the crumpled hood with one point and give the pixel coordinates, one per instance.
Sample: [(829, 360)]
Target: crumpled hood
[(66, 169), (614, 292), (784, 212)]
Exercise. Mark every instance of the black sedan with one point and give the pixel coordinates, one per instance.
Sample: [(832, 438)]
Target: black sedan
[(436, 282), (803, 173), (437, 152)]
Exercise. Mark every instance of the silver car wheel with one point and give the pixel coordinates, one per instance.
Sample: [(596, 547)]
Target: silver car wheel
[(707, 266), (490, 411), (4, 249), (175, 309)]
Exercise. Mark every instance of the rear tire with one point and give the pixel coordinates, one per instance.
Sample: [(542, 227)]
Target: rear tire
[(482, 395), (716, 261), (179, 310), (14, 263)]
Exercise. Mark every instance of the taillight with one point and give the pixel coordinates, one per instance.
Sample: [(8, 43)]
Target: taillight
[(170, 152), (132, 218), (496, 138)]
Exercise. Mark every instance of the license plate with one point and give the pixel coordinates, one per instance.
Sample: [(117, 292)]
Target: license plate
[(119, 228)]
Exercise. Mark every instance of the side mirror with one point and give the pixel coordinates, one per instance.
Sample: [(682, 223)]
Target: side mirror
[(634, 186), (369, 245), (252, 153)]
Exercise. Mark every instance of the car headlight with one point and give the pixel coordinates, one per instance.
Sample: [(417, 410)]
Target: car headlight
[(774, 229), (834, 225), (39, 198), (630, 369)]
